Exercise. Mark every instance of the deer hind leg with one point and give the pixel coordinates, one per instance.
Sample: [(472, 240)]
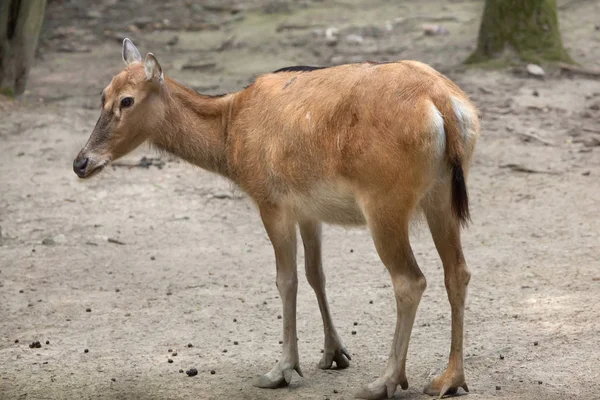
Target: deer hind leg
[(446, 235), (389, 224), (282, 232), (334, 350)]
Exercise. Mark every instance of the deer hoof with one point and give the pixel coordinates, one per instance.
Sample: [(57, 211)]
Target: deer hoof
[(340, 356), (446, 384), (382, 388), (277, 377)]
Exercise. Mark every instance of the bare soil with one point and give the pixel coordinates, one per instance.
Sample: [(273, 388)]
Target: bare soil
[(167, 254)]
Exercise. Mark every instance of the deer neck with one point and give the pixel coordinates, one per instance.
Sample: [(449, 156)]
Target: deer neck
[(194, 127)]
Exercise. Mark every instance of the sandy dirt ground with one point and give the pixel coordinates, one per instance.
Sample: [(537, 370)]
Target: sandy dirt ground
[(168, 255)]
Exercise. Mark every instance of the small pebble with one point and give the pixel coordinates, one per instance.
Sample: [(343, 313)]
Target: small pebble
[(16, 340), (501, 357), (170, 361), (354, 332), (212, 372), (181, 371), (192, 372), (113, 379), (279, 317), (235, 320), (351, 250), (47, 342), (174, 354), (224, 350), (235, 342), (45, 362), (21, 291), (88, 310), (86, 351), (117, 290), (498, 388), (370, 301), (535, 343), (540, 382), (169, 293), (170, 350), (190, 345), (535, 70), (152, 258), (281, 342), (35, 345), (355, 323), (335, 391)]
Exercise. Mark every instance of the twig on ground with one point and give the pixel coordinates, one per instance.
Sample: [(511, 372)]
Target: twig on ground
[(522, 168), (226, 44), (296, 27), (528, 136), (449, 18), (591, 130), (574, 69), (144, 162), (589, 142)]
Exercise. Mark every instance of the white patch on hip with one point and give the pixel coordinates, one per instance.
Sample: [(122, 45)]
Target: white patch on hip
[(437, 123), (465, 116)]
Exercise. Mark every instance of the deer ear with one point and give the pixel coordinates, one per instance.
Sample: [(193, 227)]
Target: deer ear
[(153, 69), (131, 54)]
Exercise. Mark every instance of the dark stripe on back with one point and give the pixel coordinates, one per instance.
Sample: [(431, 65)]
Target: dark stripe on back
[(214, 96), (298, 68)]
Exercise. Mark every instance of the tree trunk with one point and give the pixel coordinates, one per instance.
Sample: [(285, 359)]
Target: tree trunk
[(20, 24), (522, 29)]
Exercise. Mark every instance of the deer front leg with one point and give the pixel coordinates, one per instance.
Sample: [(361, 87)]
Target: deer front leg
[(334, 349), (282, 232)]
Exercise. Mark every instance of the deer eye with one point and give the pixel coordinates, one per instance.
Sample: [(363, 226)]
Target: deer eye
[(127, 102)]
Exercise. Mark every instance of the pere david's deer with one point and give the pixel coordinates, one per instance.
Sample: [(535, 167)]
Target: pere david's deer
[(353, 144)]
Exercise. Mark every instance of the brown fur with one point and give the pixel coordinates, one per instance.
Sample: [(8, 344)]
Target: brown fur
[(364, 124), (354, 144)]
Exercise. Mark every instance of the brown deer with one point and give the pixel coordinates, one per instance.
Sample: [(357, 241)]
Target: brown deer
[(358, 144)]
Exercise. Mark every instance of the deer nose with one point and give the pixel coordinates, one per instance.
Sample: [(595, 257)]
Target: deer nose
[(79, 166)]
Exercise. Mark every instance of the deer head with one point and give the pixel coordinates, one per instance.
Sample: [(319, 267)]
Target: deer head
[(131, 110)]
